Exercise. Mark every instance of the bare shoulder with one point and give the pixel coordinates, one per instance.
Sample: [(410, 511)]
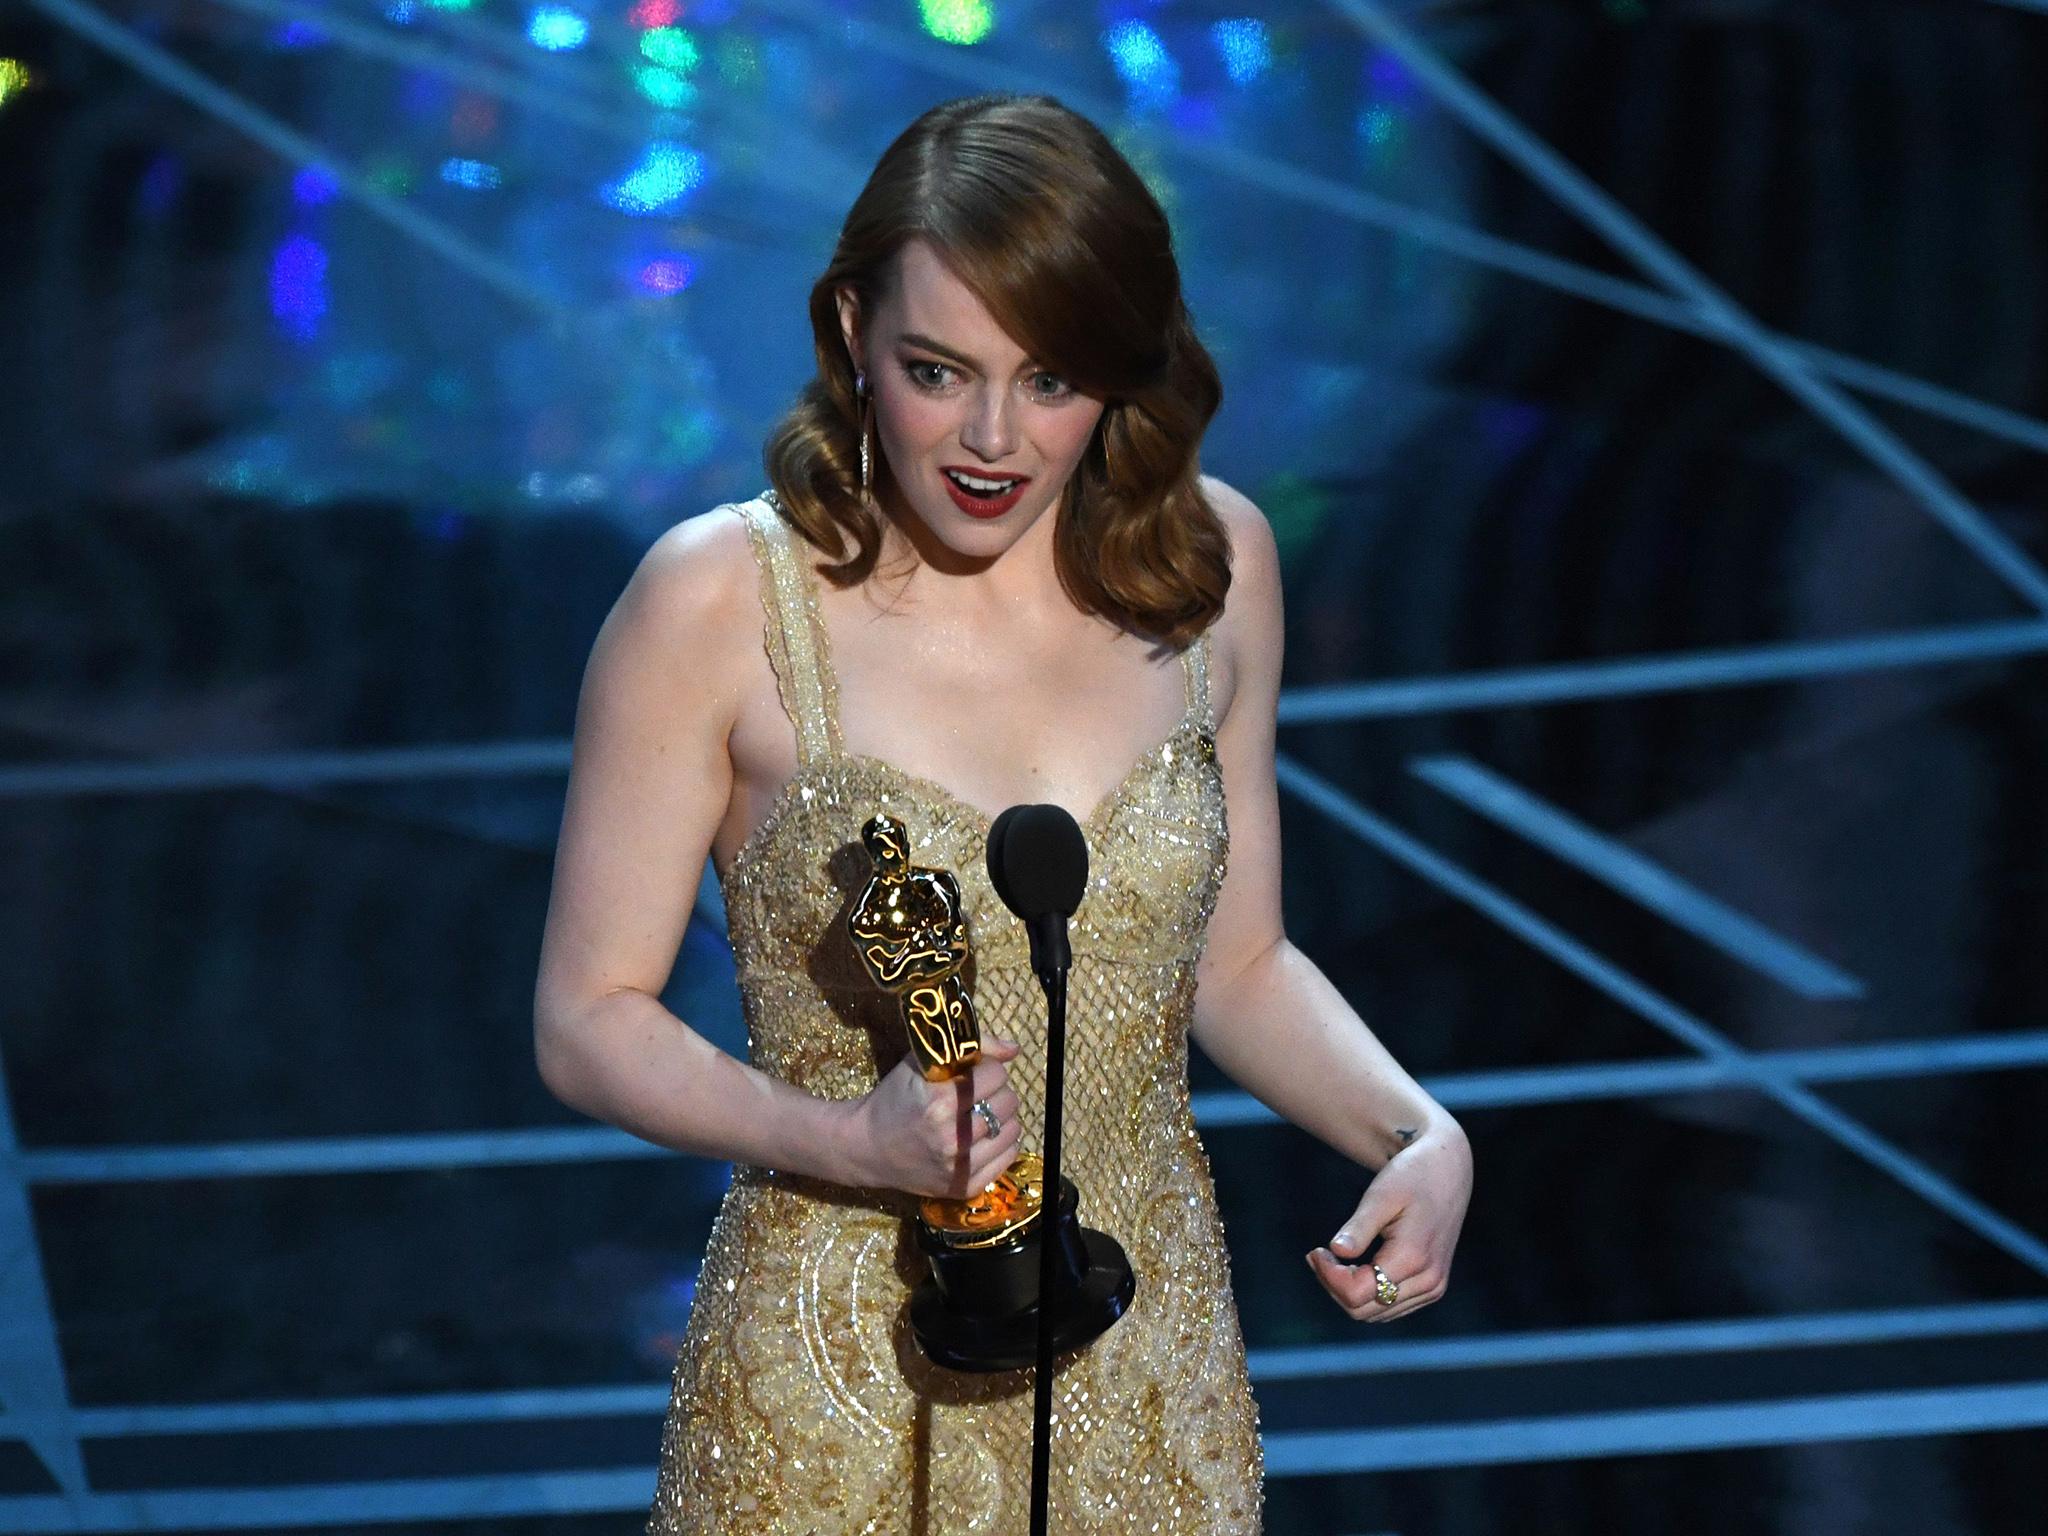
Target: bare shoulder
[(702, 568), (690, 610), (1253, 552), (1247, 635)]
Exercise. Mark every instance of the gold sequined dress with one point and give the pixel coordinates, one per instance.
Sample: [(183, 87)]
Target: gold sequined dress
[(801, 1405)]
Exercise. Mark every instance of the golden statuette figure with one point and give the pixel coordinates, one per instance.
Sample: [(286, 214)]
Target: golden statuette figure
[(911, 931)]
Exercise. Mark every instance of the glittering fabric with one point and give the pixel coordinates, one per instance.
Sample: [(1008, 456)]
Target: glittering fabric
[(801, 1404)]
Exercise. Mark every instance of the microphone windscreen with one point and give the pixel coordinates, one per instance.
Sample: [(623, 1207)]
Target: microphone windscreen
[(998, 868), (1040, 866)]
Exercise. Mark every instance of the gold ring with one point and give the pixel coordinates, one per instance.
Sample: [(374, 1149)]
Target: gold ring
[(1385, 1292)]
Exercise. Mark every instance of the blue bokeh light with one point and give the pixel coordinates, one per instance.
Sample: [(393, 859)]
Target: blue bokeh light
[(298, 286), (1246, 50), (474, 174), (557, 28), (296, 35), (1148, 71), (666, 175), (1387, 78), (313, 186)]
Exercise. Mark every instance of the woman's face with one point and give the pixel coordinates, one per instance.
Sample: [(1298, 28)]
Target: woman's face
[(953, 396)]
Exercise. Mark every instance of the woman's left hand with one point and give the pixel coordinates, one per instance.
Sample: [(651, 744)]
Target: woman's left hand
[(1417, 1201)]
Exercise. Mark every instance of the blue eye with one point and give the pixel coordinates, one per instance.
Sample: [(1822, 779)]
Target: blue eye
[(913, 368), (1062, 386)]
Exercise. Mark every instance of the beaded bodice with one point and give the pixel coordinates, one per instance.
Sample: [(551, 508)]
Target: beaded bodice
[(1157, 848)]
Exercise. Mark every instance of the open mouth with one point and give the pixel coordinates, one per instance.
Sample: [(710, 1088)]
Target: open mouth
[(984, 495)]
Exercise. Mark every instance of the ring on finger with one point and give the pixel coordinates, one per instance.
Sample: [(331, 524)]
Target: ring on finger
[(1384, 1291), (989, 1117)]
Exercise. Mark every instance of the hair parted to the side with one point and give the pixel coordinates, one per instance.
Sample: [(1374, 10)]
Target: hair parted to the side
[(1031, 206)]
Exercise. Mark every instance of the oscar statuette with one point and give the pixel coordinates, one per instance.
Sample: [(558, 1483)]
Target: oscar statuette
[(978, 1309)]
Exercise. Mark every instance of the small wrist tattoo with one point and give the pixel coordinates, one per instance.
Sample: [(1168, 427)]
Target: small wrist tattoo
[(1407, 1133)]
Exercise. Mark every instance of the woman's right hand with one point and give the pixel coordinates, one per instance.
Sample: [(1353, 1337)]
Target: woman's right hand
[(924, 1137)]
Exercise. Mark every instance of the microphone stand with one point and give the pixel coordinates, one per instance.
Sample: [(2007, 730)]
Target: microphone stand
[(1052, 976), (1078, 1296)]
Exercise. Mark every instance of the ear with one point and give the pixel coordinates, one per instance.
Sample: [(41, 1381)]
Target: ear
[(849, 325)]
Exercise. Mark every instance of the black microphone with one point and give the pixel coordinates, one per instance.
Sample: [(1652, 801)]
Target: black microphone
[(1038, 864)]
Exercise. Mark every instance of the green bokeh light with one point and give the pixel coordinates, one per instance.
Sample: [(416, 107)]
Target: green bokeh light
[(390, 173), (664, 87), (1297, 508), (737, 61), (957, 21), (672, 48)]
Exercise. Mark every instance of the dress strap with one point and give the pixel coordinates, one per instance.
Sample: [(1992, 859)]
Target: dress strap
[(1194, 658), (796, 640)]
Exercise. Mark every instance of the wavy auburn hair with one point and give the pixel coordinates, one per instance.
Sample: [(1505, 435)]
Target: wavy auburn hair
[(1031, 206)]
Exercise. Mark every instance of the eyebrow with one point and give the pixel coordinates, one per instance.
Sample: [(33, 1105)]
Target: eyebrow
[(919, 339)]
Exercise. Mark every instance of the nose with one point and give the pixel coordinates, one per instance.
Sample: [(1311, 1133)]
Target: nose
[(991, 428)]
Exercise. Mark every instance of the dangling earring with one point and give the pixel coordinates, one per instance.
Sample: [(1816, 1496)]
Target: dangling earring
[(860, 390)]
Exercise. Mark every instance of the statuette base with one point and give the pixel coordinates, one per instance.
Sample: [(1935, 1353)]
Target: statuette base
[(979, 1309)]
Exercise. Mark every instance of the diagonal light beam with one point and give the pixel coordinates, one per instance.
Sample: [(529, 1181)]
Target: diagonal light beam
[(1653, 1341), (980, 70), (32, 1383), (1909, 1412), (1457, 240), (575, 104), (180, 79), (1635, 676), (1625, 678), (1578, 194), (1633, 874), (1663, 1431), (569, 104), (1699, 1337), (1580, 1082), (1653, 1007)]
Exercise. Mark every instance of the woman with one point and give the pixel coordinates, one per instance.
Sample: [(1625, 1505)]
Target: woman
[(989, 573)]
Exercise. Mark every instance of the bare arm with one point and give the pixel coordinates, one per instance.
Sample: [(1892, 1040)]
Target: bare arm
[(1264, 1012), (649, 781)]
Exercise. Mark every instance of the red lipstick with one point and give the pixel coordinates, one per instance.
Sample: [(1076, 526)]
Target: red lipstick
[(982, 506)]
